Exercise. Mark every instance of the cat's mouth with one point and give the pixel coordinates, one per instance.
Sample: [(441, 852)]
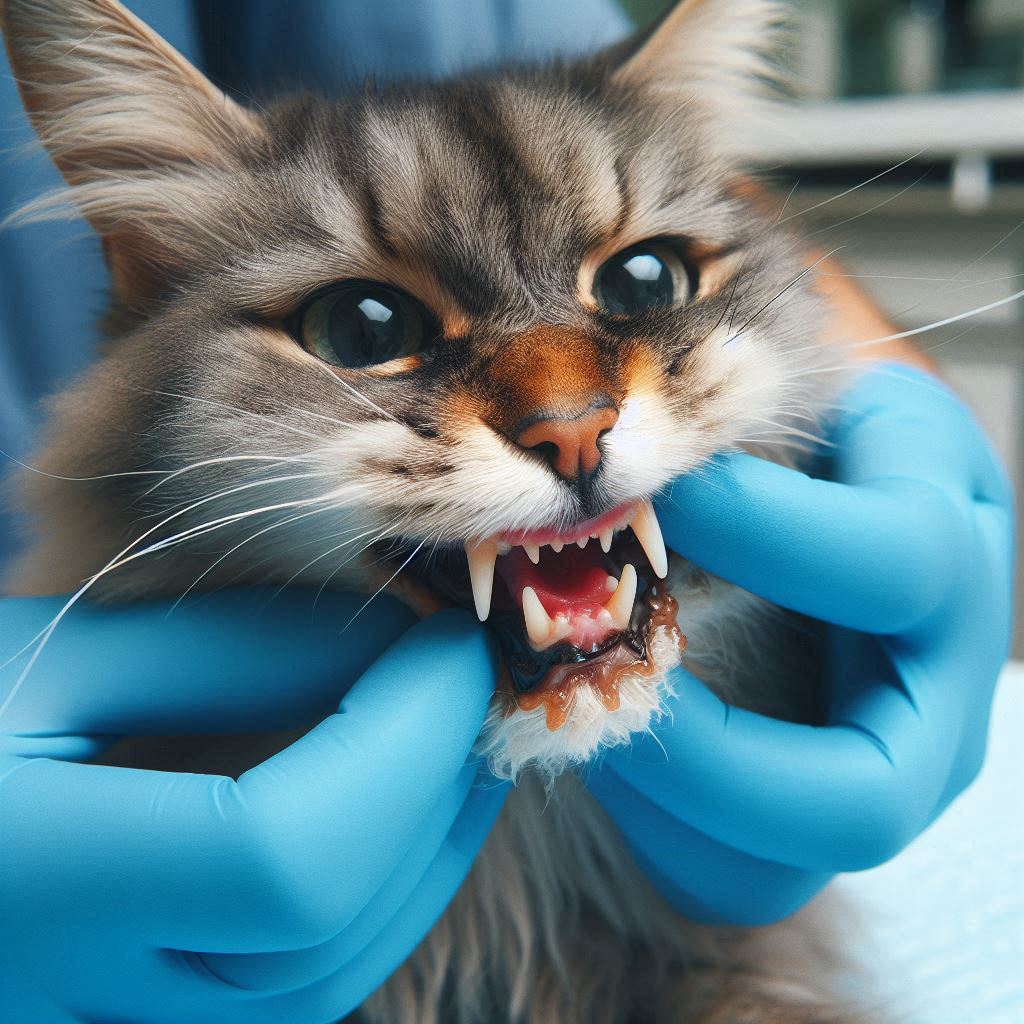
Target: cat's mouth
[(569, 607)]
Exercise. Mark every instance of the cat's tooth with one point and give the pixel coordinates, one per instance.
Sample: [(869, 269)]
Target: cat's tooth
[(611, 584), (538, 622), (481, 556), (532, 552), (620, 604), (606, 539), (556, 546), (582, 542), (503, 548), (648, 532)]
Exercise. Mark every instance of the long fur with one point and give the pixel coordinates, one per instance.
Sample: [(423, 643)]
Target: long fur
[(207, 447)]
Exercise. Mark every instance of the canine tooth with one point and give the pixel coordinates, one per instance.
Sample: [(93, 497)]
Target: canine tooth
[(556, 546), (538, 622), (582, 542), (648, 532), (481, 556), (561, 629), (620, 604), (532, 552), (606, 539)]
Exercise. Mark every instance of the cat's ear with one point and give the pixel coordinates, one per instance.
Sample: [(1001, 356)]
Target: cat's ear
[(721, 51), (117, 107)]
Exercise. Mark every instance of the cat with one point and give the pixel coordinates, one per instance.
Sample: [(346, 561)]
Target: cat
[(450, 339)]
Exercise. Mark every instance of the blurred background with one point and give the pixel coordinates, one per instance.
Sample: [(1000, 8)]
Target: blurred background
[(908, 118)]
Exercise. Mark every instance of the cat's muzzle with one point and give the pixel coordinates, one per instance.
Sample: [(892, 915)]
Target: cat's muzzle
[(569, 607)]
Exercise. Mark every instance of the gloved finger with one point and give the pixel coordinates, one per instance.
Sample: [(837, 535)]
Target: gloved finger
[(203, 862), (835, 798), (426, 903), (876, 558), (900, 422), (917, 465), (703, 879), (235, 661), (440, 857)]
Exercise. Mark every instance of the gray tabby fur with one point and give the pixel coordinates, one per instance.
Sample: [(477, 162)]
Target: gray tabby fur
[(492, 198)]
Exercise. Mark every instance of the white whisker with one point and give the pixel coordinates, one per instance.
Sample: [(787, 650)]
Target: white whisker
[(850, 191), (384, 585), (941, 323)]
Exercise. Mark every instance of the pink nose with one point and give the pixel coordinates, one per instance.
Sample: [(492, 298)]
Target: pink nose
[(571, 443)]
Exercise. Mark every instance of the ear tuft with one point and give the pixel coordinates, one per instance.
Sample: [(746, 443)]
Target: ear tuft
[(106, 93), (137, 132), (720, 51)]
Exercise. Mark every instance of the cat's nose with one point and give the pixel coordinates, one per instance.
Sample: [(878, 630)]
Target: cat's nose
[(570, 442)]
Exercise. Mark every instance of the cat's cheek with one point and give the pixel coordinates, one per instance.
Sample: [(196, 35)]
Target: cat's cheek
[(648, 446), (749, 377)]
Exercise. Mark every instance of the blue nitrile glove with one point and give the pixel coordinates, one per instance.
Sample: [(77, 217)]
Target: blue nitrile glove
[(907, 551), (289, 895)]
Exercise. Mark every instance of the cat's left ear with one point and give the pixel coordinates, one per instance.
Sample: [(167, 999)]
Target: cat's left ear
[(128, 122), (720, 51)]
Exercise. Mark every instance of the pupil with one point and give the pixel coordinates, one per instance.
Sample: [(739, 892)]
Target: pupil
[(365, 332), (633, 282)]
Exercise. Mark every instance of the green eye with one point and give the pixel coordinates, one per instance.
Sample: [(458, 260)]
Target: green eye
[(645, 276), (363, 323)]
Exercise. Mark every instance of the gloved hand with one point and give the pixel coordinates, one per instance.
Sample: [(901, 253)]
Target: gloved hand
[(907, 550), (289, 895)]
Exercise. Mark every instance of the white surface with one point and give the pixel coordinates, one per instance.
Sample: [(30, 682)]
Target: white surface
[(944, 921), (891, 128)]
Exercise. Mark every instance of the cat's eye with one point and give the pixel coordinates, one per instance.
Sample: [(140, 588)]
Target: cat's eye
[(644, 276), (363, 323)]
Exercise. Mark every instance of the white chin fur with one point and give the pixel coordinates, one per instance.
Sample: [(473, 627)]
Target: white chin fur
[(522, 740)]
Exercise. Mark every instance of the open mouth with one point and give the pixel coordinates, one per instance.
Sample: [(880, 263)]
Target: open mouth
[(570, 607)]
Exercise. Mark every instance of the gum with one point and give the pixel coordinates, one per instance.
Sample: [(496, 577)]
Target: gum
[(605, 674)]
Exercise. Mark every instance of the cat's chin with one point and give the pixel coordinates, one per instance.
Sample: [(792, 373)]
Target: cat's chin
[(515, 739)]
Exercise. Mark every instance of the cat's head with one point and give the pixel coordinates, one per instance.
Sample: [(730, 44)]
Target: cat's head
[(448, 338)]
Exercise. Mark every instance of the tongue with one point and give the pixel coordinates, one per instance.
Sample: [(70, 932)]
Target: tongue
[(572, 582)]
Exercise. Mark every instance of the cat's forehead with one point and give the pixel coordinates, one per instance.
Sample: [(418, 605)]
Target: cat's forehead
[(495, 192)]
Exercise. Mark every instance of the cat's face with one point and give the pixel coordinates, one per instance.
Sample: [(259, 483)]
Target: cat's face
[(449, 339)]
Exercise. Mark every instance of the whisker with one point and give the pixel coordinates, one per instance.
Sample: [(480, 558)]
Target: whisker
[(282, 552), (794, 431), (220, 460), (120, 559), (287, 521), (925, 280), (79, 479), (792, 191), (355, 554), (261, 417), (384, 585), (330, 551), (872, 209), (850, 191), (941, 323), (358, 394), (792, 284)]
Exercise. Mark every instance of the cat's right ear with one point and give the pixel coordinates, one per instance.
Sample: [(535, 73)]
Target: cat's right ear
[(118, 109), (719, 51)]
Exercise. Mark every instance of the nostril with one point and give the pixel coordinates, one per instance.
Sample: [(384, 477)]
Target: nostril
[(569, 443), (548, 449)]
